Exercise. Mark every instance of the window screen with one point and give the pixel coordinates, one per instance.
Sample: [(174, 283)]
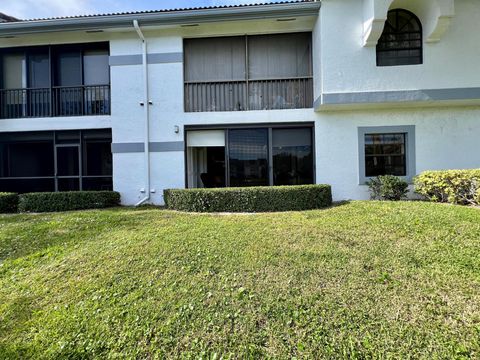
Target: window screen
[(215, 59), (279, 56)]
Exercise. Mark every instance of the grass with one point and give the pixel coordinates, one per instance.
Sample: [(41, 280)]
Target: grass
[(360, 280)]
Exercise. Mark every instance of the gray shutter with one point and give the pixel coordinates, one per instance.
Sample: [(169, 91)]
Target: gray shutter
[(279, 56), (215, 59)]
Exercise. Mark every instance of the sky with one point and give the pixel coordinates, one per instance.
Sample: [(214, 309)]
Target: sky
[(34, 9)]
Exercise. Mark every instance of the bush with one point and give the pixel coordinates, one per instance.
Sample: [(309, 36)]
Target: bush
[(66, 201), (250, 199), (8, 203), (450, 186), (388, 187)]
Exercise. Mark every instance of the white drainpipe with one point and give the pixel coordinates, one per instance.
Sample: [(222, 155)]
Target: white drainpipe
[(146, 104)]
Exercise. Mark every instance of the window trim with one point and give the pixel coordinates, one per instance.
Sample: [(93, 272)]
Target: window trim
[(410, 155)]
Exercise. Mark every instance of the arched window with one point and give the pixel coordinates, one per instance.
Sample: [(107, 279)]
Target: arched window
[(401, 41)]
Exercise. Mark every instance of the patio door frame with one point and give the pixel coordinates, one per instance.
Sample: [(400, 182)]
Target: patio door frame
[(59, 177), (269, 126)]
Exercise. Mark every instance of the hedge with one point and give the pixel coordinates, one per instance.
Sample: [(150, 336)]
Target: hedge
[(66, 201), (8, 202), (452, 186), (249, 199), (388, 187)]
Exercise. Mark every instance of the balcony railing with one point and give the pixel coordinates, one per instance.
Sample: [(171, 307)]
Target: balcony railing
[(269, 94), (55, 101)]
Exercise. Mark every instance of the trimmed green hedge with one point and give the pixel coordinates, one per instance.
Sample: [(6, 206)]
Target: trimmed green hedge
[(250, 199), (66, 201), (452, 186), (8, 203)]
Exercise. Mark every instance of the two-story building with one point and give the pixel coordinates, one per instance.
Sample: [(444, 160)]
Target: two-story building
[(299, 92)]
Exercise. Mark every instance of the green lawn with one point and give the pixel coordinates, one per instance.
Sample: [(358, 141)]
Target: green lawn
[(360, 280)]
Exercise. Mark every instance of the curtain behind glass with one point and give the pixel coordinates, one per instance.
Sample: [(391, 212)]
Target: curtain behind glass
[(279, 56), (13, 71), (96, 70), (215, 59)]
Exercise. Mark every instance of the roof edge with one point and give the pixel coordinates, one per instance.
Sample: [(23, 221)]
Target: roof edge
[(268, 11)]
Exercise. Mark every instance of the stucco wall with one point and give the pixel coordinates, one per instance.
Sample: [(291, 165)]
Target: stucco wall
[(445, 138), (348, 66)]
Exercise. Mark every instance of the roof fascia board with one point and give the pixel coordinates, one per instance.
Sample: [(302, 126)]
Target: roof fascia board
[(161, 18)]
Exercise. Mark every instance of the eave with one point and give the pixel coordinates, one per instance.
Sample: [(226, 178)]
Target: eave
[(270, 11)]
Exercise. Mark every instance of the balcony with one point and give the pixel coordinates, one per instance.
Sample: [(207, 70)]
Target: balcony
[(55, 102), (268, 94), (258, 72), (55, 81)]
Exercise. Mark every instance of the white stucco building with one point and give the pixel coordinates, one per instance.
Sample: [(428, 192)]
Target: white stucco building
[(291, 93)]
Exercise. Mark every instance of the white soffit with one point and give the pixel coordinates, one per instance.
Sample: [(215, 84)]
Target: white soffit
[(435, 15)]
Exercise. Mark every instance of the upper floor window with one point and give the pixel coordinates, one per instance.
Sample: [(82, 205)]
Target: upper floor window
[(401, 41), (62, 80), (259, 72)]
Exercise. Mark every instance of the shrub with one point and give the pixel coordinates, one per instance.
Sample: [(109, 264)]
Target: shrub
[(250, 199), (388, 187), (8, 202), (452, 186), (65, 201)]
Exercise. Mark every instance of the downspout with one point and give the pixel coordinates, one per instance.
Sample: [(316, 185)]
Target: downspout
[(146, 104)]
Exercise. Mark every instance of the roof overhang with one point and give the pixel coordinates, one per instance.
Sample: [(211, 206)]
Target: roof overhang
[(177, 17)]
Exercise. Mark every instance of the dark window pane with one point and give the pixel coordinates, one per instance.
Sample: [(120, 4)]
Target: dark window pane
[(97, 158), (401, 41), (68, 161), (385, 154), (214, 176), (292, 156), (97, 184), (38, 70), (69, 69), (69, 184), (248, 157), (27, 185), (26, 159)]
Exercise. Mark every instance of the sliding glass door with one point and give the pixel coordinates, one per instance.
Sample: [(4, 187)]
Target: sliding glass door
[(292, 155), (259, 156), (248, 157)]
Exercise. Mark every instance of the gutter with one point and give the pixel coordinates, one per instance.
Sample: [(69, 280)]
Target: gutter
[(177, 17), (146, 104)]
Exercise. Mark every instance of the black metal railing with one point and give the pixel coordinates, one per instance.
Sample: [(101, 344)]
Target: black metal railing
[(56, 101), (268, 94)]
